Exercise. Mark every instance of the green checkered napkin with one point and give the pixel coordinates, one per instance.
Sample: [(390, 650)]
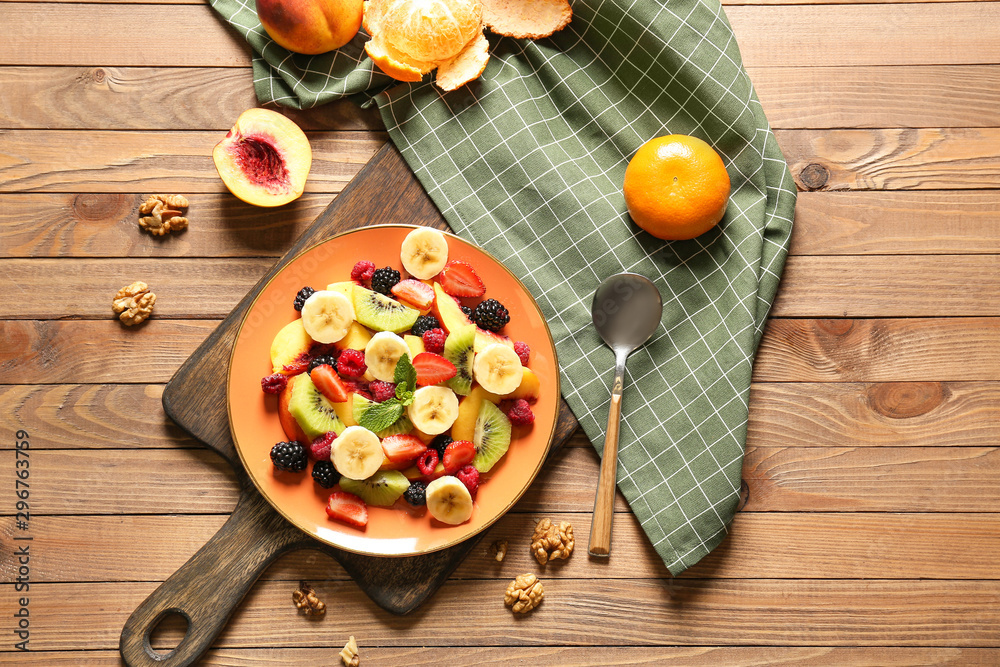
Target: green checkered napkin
[(528, 162)]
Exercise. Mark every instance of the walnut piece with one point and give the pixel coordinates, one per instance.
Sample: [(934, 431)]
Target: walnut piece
[(162, 214), (133, 303), (524, 593), (499, 550), (349, 656), (550, 542), (306, 601)]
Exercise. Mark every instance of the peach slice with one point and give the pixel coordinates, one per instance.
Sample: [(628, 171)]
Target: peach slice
[(311, 26), (265, 159), (289, 344)]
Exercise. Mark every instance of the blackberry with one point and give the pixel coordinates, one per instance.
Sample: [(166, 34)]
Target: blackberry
[(467, 311), (325, 474), (301, 297), (290, 456), (491, 315), (439, 443), (319, 360), (416, 494), (424, 323), (383, 279)]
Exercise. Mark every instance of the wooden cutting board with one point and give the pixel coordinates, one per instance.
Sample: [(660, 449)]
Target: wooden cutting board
[(207, 588)]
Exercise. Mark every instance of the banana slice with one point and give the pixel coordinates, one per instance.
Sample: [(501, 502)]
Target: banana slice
[(498, 369), (327, 316), (434, 409), (424, 253), (382, 353), (449, 501), (357, 453)]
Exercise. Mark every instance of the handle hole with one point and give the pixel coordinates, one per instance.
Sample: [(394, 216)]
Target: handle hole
[(167, 633)]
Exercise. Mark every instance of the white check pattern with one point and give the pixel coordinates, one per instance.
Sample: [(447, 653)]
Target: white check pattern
[(528, 161)]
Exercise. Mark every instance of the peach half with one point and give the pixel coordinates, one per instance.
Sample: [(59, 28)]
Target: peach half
[(311, 26), (265, 159)]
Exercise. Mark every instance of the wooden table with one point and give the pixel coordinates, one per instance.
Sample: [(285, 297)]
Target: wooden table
[(871, 534)]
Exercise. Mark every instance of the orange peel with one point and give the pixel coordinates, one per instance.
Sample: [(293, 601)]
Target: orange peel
[(532, 19)]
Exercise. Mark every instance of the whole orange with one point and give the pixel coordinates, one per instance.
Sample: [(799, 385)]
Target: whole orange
[(676, 187)]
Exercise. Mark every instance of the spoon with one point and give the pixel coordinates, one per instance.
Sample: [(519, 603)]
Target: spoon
[(627, 309)]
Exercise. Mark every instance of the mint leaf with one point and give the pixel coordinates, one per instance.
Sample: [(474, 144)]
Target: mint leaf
[(380, 416), (405, 397), (405, 375)]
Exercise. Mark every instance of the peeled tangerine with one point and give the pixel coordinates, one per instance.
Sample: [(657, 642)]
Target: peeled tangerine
[(265, 159), (410, 38)]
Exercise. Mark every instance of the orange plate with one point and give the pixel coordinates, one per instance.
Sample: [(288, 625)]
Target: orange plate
[(253, 417)]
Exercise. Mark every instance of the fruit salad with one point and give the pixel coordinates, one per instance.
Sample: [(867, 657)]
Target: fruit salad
[(399, 388)]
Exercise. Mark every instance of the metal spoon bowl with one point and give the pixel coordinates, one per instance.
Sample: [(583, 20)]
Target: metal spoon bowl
[(627, 309)]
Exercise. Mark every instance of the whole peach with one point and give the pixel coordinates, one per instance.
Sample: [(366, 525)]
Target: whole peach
[(311, 26)]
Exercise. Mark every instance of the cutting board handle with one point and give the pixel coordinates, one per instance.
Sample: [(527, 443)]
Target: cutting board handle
[(207, 589)]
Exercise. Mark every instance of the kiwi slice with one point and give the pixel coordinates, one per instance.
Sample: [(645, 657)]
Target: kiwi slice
[(402, 425), (491, 436), (381, 313), (313, 412), (383, 488), (459, 349)]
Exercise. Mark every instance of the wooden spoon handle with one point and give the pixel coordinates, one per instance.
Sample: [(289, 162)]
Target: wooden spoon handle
[(604, 503), (207, 588)]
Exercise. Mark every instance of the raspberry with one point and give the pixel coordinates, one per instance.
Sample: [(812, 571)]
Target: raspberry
[(329, 359), (290, 456), (274, 384), (363, 270), (301, 297), (424, 323), (469, 476), (427, 462), (383, 279), (416, 494), (351, 363), (325, 474), (434, 340), (319, 449), (523, 352), (491, 315), (440, 443), (520, 413), (359, 387), (382, 391)]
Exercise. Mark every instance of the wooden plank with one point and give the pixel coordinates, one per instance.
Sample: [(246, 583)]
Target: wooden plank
[(570, 656), (889, 286), (136, 161), (136, 98), (883, 350), (892, 414), (575, 612), (150, 98), (776, 36), (760, 545), (879, 96), (838, 286), (786, 479), (105, 225), (96, 351), (826, 223), (889, 223), (895, 159), (903, 414), (792, 350)]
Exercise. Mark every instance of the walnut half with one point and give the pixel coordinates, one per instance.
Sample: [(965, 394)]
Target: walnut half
[(551, 542), (524, 594), (161, 214), (133, 303), (349, 655)]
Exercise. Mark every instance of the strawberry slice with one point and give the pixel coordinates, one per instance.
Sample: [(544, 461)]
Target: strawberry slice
[(402, 449), (458, 278), (415, 293), (348, 508), (329, 383), (458, 454), (432, 368)]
